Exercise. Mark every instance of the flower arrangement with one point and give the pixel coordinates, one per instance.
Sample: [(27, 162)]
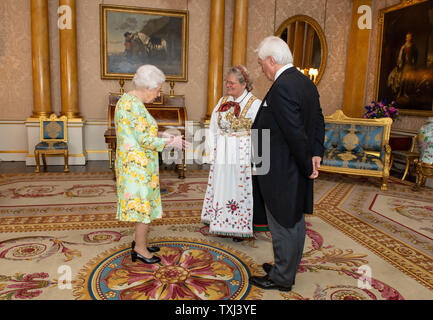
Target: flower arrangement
[(381, 110)]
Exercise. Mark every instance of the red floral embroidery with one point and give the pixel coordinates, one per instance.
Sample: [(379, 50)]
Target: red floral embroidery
[(232, 205)]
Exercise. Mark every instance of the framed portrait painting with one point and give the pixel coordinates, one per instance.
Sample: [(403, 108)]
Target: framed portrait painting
[(405, 56), (132, 36)]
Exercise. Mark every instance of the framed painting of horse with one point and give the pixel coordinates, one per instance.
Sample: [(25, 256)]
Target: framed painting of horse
[(133, 36), (405, 57)]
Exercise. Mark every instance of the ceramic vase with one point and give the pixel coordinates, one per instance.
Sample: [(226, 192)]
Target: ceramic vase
[(425, 139)]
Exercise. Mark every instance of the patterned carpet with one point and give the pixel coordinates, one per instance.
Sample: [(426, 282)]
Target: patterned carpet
[(59, 239)]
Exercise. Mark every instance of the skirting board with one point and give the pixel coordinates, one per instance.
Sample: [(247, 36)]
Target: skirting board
[(89, 146)]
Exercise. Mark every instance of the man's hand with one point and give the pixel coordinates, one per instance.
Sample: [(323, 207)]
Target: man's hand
[(316, 165)]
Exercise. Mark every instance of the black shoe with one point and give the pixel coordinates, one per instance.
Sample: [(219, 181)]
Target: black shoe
[(267, 284), (135, 255), (267, 267), (150, 249)]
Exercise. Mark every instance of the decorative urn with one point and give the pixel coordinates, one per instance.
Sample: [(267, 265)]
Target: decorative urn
[(425, 139)]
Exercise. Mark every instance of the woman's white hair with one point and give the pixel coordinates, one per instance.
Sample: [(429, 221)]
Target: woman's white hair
[(148, 76), (276, 48)]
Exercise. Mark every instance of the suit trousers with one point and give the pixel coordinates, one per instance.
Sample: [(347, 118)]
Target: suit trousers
[(288, 246)]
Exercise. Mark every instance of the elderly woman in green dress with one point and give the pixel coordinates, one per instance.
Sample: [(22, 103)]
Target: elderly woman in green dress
[(137, 167)]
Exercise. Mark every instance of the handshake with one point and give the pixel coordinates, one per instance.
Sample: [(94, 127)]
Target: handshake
[(177, 142)]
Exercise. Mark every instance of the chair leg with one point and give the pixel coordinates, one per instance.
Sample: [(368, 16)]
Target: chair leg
[(66, 161), (384, 185), (423, 181), (406, 170), (419, 177), (37, 161), (44, 160)]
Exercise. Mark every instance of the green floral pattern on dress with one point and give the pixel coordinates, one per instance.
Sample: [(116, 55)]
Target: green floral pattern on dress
[(137, 167)]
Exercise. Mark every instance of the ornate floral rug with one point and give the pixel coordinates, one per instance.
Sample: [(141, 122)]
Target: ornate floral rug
[(59, 201), (59, 239)]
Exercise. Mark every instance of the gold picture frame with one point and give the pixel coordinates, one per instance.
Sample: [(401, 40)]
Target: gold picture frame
[(133, 36), (404, 71)]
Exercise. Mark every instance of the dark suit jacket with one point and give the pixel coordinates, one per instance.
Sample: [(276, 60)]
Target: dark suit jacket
[(295, 120)]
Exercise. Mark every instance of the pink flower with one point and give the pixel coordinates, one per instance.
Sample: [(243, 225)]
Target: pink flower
[(381, 109), (301, 269)]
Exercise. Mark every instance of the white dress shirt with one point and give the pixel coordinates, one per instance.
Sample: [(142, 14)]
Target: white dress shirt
[(282, 69)]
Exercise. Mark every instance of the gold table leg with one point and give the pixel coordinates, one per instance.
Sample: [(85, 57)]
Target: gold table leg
[(423, 171)]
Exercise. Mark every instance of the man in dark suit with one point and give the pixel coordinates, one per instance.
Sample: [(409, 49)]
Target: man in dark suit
[(292, 119)]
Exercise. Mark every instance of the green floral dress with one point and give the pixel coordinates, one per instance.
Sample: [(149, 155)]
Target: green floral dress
[(137, 167)]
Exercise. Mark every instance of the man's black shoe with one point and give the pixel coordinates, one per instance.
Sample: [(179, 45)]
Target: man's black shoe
[(266, 283), (267, 267)]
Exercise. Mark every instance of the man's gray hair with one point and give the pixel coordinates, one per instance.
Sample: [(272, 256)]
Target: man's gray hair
[(148, 76), (276, 48)]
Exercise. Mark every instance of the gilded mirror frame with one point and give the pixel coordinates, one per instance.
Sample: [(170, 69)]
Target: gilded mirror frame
[(315, 25)]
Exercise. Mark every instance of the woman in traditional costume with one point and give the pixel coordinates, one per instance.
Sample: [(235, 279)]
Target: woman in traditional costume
[(228, 203)]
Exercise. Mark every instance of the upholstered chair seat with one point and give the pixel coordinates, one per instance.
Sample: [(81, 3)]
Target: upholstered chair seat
[(51, 146)]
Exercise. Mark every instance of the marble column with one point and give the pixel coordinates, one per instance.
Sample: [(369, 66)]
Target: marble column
[(40, 58), (68, 58), (216, 55), (240, 33)]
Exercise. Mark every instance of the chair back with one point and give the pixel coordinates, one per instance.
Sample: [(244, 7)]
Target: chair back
[(414, 147), (53, 128)]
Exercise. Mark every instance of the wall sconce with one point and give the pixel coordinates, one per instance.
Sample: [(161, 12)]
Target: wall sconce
[(312, 73)]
